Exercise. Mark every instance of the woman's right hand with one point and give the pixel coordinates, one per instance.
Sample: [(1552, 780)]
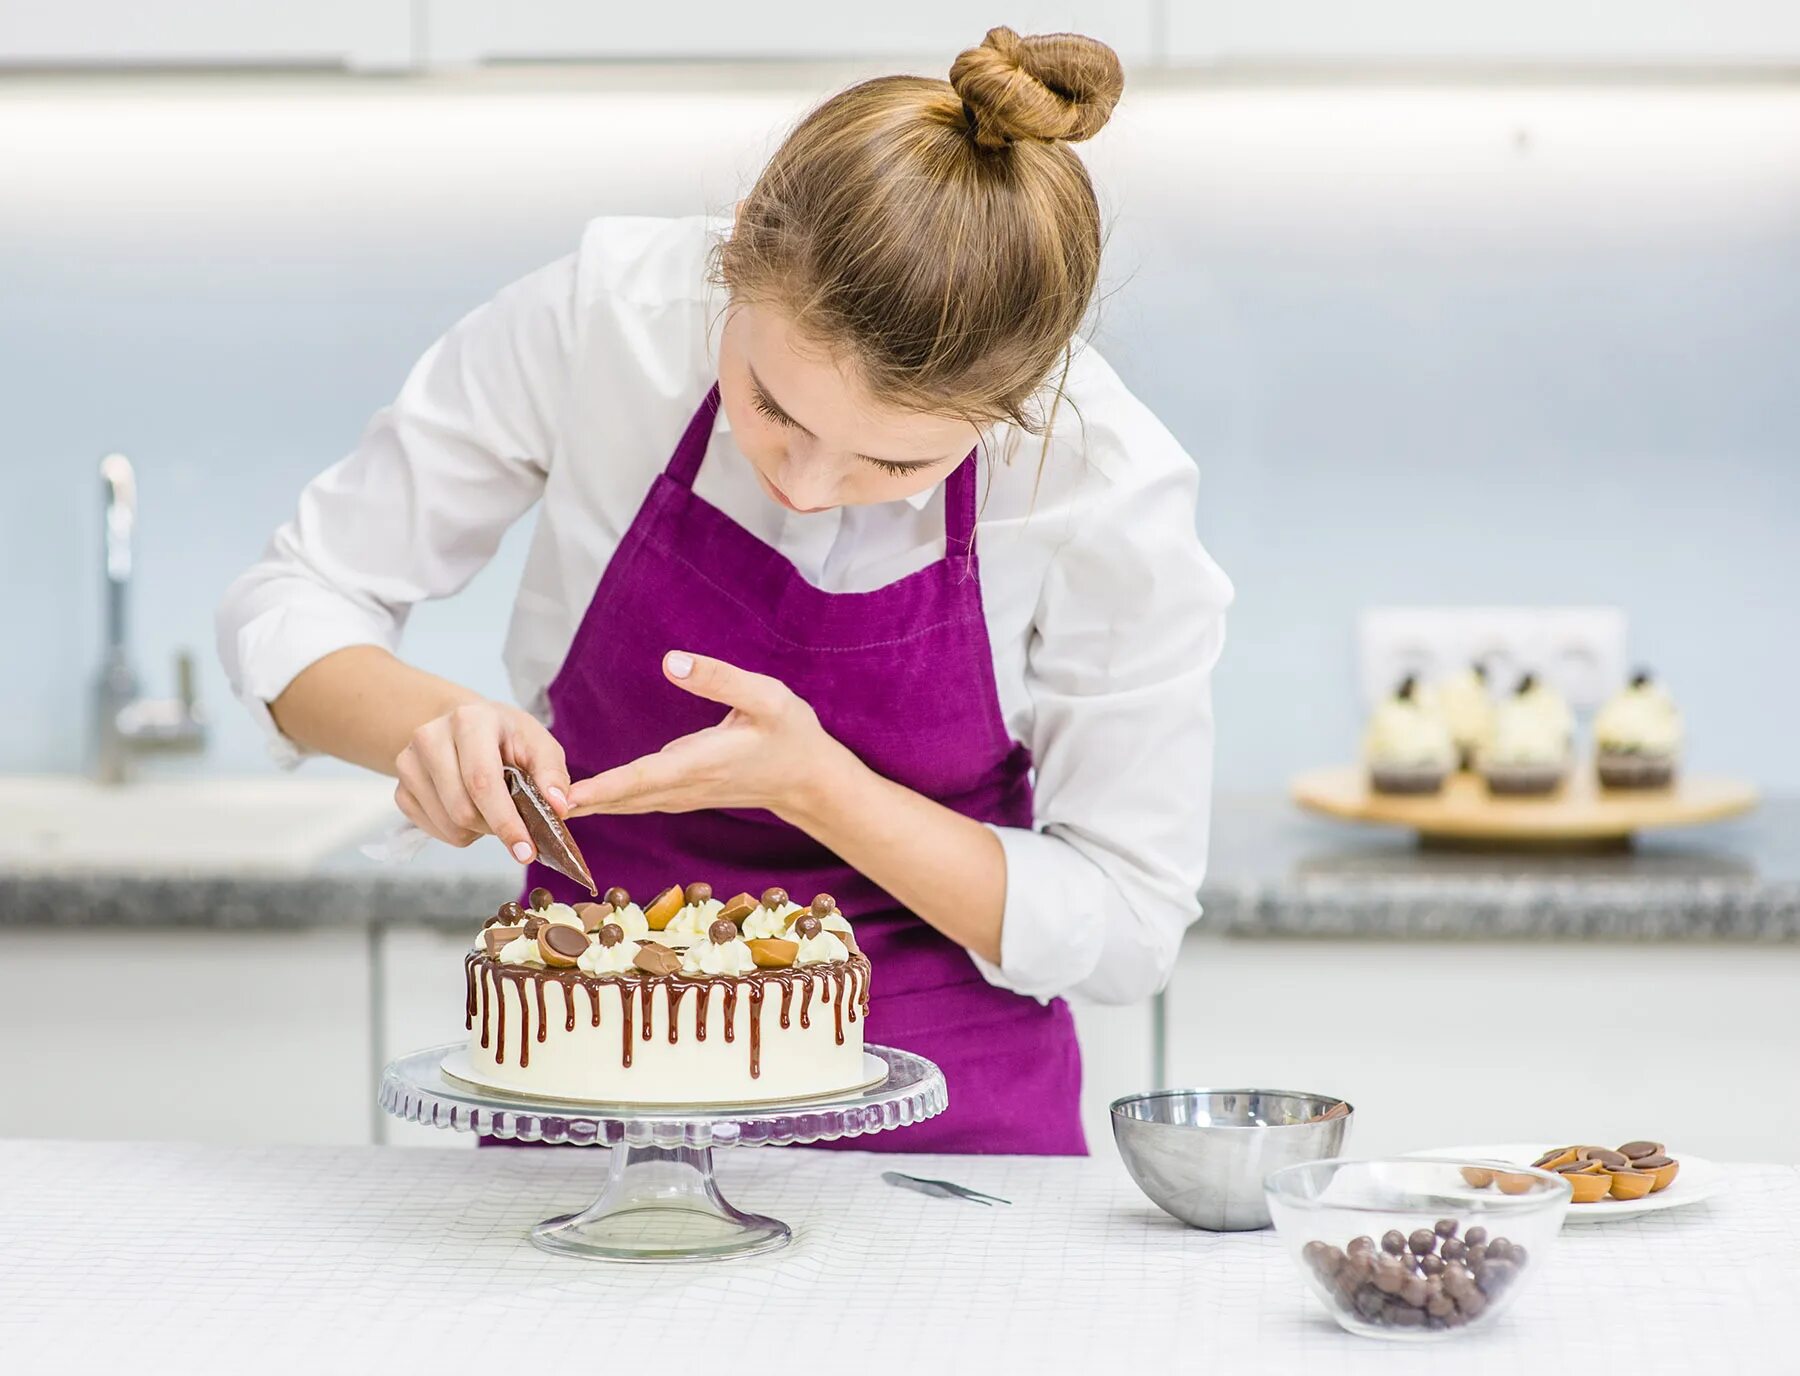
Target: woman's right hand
[(451, 786)]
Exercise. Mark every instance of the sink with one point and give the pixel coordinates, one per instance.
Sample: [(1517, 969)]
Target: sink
[(279, 823)]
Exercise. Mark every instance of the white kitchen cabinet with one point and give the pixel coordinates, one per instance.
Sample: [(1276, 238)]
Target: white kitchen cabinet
[(459, 32), (1677, 32), (1462, 1042), (360, 34), (216, 1036)]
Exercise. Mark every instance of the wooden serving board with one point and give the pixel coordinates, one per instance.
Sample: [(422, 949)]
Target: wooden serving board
[(1580, 811)]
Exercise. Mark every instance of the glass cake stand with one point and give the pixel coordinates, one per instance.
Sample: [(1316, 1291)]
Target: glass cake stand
[(660, 1201)]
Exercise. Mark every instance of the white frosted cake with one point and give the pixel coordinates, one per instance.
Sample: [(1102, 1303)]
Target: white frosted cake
[(686, 1000)]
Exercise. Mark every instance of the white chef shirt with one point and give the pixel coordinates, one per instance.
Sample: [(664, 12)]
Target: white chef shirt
[(571, 388)]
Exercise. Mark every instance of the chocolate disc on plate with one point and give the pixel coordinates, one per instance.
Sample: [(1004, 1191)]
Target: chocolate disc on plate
[(555, 847)]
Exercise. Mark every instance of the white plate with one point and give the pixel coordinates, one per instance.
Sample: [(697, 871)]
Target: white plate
[(1697, 1179), (459, 1066)]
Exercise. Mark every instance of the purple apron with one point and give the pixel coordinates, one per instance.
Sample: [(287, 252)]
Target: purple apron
[(904, 677)]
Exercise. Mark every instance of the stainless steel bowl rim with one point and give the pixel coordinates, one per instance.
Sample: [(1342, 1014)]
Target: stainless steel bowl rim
[(1150, 1095), (1494, 1203)]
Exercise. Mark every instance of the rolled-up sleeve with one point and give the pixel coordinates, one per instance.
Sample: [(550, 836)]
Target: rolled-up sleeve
[(420, 505), (1129, 626)]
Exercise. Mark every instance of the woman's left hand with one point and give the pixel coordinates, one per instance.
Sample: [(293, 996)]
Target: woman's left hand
[(769, 752)]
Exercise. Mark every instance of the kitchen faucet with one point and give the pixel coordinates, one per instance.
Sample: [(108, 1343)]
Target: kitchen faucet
[(126, 724)]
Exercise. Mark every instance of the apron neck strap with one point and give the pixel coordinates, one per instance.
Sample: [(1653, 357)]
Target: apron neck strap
[(959, 487), (959, 510), (684, 463)]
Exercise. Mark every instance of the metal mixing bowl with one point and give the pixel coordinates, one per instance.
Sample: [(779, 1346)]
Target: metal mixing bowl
[(1202, 1154)]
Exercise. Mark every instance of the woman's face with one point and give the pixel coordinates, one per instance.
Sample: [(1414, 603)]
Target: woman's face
[(813, 435)]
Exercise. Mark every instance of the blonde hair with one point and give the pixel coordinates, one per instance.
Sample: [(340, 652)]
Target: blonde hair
[(940, 236)]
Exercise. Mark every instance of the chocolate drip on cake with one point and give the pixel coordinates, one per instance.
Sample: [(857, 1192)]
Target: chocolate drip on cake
[(845, 984)]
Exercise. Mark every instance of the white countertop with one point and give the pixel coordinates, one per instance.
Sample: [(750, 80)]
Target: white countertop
[(399, 1260)]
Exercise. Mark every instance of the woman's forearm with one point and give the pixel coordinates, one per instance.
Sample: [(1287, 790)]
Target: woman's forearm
[(943, 866), (363, 705)]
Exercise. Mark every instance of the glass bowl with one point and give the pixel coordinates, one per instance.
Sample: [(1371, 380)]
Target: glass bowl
[(1416, 1248)]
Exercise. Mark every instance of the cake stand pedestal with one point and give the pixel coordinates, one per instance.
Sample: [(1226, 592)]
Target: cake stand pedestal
[(661, 1201)]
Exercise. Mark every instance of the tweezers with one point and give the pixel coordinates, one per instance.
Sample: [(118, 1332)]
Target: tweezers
[(941, 1189)]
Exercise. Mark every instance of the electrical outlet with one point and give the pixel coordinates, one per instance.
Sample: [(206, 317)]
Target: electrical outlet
[(1579, 650)]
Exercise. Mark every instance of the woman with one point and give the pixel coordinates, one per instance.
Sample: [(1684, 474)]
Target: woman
[(914, 613)]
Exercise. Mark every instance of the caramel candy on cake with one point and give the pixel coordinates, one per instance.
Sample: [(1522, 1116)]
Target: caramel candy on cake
[(593, 916), (495, 938), (698, 893), (610, 935), (722, 932), (663, 908), (774, 953), (617, 897), (1630, 1184), (555, 847), (540, 898), (738, 909), (561, 944), (774, 897), (654, 959)]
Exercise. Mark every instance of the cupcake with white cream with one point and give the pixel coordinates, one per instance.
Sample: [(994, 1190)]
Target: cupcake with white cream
[(1465, 704), (1637, 736), (1407, 747), (1533, 736)]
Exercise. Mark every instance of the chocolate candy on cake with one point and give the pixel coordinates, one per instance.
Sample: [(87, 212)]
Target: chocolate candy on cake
[(561, 944), (610, 935), (774, 897), (737, 909), (555, 847), (617, 897), (698, 893), (808, 926), (721, 932), (593, 916), (496, 938), (510, 915), (654, 958), (540, 898), (824, 905)]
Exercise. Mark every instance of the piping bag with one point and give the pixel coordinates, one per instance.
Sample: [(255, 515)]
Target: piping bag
[(556, 848)]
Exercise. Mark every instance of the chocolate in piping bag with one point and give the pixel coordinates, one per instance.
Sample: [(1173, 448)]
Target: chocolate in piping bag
[(555, 847)]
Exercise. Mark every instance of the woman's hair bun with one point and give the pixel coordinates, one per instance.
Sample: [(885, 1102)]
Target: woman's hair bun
[(1046, 87)]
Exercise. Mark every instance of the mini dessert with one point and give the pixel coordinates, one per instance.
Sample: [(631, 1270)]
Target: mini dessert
[(1430, 1278), (1467, 708), (1630, 1171), (1637, 737), (1407, 747), (1533, 734), (606, 1002)]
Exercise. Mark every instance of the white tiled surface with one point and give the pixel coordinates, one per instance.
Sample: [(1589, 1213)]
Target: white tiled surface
[(392, 1260)]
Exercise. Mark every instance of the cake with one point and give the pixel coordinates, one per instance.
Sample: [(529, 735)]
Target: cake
[(1467, 708), (684, 1000), (1637, 737), (1407, 746), (1533, 737)]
